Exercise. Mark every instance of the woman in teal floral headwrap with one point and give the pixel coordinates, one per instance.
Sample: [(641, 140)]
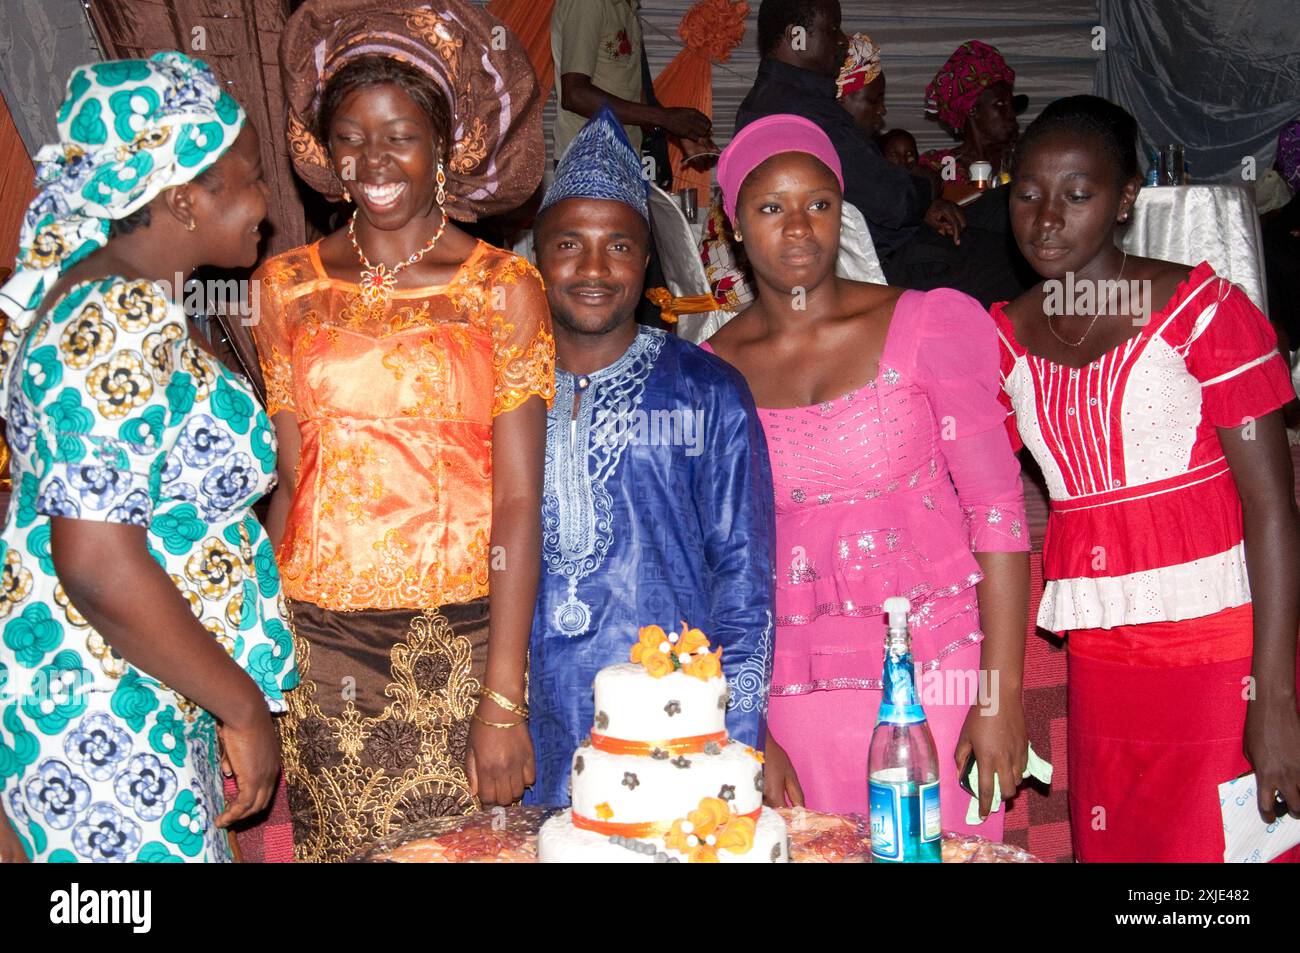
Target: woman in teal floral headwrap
[(141, 625)]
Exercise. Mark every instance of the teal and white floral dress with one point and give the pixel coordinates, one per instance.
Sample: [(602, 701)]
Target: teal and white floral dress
[(115, 415)]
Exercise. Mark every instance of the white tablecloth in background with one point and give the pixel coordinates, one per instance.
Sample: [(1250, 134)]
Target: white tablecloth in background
[(1194, 223)]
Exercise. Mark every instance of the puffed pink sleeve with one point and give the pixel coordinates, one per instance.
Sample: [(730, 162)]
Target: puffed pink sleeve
[(957, 364)]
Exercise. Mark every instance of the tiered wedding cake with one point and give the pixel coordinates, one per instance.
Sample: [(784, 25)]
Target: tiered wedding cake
[(659, 780)]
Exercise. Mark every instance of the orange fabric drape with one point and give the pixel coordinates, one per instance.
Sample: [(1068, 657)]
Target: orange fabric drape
[(530, 22), (711, 30)]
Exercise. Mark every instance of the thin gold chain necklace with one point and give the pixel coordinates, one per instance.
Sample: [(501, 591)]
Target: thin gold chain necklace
[(378, 281), (1091, 323)]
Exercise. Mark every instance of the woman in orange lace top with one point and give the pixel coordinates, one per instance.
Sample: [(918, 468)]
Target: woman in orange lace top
[(408, 368)]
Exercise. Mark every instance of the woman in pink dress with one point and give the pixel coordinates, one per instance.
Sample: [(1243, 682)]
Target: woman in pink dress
[(893, 475), (1172, 554)]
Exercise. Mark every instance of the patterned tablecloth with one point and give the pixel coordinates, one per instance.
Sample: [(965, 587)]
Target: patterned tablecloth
[(509, 836)]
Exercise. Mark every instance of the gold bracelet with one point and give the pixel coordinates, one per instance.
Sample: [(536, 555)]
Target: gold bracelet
[(497, 724), (507, 704)]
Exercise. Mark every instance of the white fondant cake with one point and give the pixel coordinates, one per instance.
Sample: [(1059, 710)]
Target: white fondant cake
[(660, 781)]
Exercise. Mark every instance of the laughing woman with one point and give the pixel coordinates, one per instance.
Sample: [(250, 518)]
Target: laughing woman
[(408, 368), (142, 626)]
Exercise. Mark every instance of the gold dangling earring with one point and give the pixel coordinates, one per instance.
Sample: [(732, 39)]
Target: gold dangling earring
[(441, 195), (347, 196)]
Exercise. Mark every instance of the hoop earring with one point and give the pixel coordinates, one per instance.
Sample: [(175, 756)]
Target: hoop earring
[(441, 195)]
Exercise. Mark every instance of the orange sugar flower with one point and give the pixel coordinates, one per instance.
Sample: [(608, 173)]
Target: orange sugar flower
[(712, 813), (657, 665), (650, 640), (604, 811), (690, 640), (706, 666), (738, 836)]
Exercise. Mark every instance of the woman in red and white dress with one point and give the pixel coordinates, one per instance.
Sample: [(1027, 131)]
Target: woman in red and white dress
[(1152, 409)]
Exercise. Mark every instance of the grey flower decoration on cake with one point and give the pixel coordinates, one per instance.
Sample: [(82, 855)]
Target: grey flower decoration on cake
[(728, 792), (712, 747), (629, 780), (602, 720), (758, 781), (724, 698), (776, 853), (681, 761), (659, 754), (578, 765), (674, 707)]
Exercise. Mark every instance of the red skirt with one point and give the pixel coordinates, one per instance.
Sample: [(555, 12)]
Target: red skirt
[(1148, 748)]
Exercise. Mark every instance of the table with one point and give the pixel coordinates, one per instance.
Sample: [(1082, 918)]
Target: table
[(509, 835), (1194, 223)]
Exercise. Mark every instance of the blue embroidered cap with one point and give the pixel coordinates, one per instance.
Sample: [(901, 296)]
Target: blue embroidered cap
[(600, 163)]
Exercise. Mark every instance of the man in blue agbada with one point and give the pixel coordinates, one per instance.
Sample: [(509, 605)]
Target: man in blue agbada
[(658, 501)]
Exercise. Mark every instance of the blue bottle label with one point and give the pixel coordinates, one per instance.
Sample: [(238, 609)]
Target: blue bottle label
[(886, 821), (930, 818), (900, 704)]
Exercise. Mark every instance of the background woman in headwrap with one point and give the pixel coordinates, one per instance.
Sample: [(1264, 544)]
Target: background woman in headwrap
[(972, 96), (408, 368), (140, 603), (861, 85)]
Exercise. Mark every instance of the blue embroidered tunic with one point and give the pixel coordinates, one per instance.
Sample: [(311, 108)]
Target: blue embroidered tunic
[(658, 508)]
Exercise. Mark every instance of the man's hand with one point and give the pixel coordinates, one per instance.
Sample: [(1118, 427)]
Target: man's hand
[(685, 123), (946, 219)]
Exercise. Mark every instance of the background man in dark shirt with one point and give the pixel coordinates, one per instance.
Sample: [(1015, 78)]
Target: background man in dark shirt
[(922, 239)]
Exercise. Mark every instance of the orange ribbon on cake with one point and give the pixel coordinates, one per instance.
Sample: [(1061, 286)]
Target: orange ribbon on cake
[(694, 744), (642, 830)]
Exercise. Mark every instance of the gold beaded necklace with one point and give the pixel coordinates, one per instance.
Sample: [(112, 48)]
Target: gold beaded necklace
[(378, 281)]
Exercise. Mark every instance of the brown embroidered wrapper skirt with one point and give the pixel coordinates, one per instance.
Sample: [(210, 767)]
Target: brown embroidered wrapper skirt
[(375, 737)]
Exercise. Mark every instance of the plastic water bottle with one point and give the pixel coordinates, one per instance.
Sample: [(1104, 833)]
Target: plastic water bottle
[(902, 764)]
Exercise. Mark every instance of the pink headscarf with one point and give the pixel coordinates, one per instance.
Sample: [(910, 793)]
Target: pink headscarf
[(761, 140)]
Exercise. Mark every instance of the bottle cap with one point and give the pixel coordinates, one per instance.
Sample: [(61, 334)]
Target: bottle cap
[(896, 608)]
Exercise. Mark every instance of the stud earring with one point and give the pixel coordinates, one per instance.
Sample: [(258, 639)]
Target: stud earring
[(738, 236), (191, 225), (441, 195)]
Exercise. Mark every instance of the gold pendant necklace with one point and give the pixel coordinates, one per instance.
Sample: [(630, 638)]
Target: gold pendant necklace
[(378, 281)]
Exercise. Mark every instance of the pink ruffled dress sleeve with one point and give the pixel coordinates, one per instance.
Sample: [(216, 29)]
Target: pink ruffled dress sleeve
[(958, 365)]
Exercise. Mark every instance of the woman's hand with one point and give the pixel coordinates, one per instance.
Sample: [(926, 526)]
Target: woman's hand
[(780, 783), (11, 848), (1001, 748), (251, 755), (499, 762), (1272, 746)]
